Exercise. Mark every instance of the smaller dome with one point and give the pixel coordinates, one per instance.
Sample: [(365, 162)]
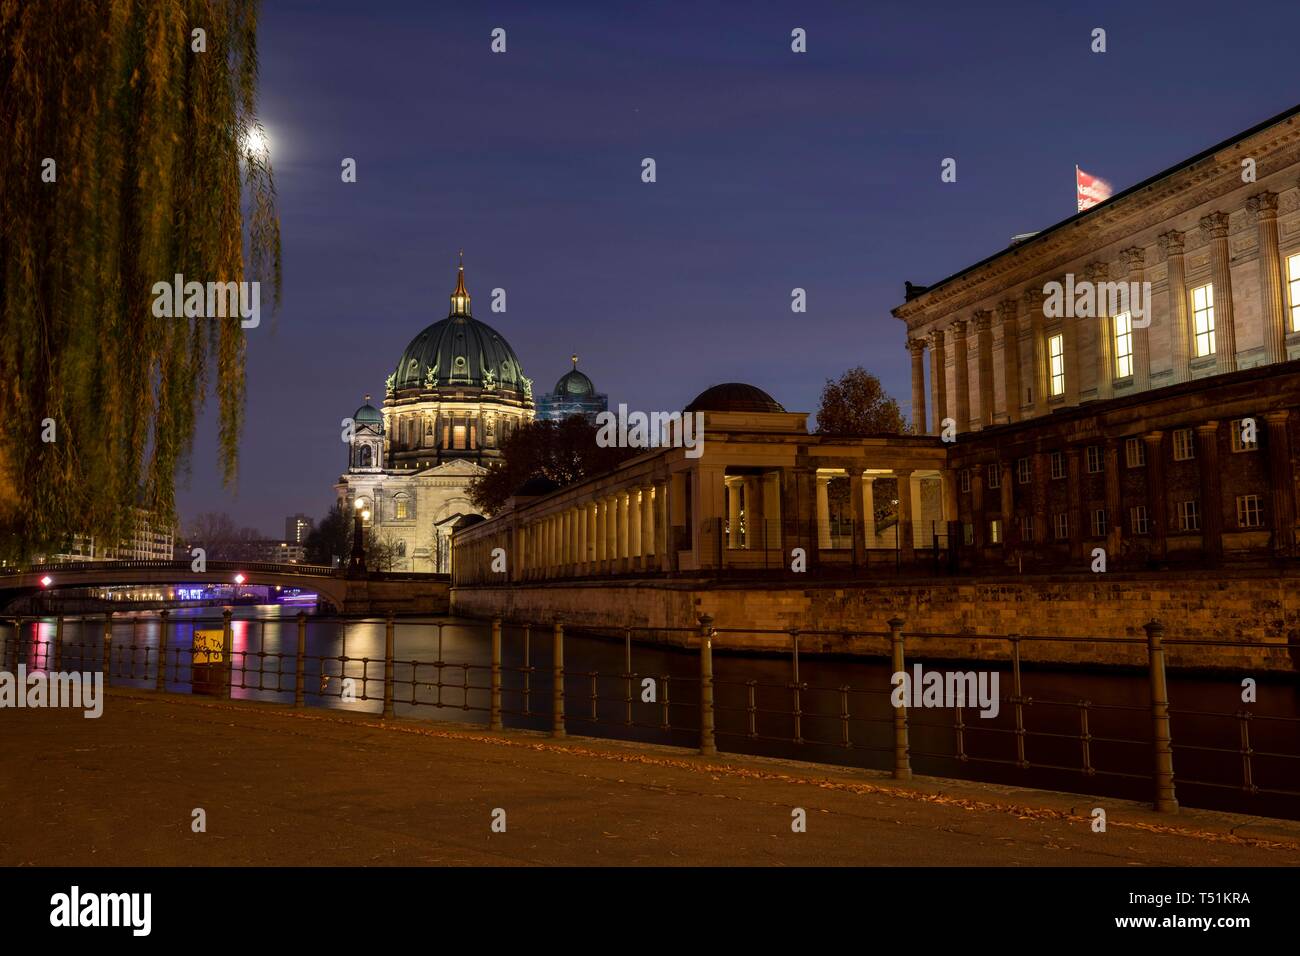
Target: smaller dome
[(734, 397), (575, 384), (367, 414)]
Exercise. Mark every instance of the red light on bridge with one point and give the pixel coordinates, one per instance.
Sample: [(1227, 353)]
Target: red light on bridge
[(239, 579), (46, 581)]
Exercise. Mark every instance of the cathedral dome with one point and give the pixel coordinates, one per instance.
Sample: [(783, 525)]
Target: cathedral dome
[(734, 397), (574, 384), (367, 414), (459, 350)]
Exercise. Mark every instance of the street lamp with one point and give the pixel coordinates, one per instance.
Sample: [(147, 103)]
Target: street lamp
[(357, 562), (46, 581)]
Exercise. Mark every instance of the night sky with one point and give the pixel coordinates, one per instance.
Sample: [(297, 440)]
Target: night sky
[(775, 170)]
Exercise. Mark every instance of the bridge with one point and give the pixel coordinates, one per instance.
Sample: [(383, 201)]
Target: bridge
[(359, 594)]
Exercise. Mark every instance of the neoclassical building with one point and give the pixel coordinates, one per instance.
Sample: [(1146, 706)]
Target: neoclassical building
[(458, 390)]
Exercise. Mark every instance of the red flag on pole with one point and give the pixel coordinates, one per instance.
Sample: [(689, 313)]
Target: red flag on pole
[(1089, 189)]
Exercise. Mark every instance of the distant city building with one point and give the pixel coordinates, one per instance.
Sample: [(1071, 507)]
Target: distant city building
[(574, 394), (277, 552), (149, 540), (297, 527), (457, 392)]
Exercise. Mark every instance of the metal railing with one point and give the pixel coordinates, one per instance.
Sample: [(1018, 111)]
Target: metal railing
[(1253, 754)]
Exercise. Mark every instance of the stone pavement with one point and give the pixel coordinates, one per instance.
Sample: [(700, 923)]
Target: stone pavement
[(286, 787)]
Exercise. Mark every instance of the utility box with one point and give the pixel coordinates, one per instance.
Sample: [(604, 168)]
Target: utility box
[(210, 670)]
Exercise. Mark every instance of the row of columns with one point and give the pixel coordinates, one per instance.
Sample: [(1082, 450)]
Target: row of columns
[(619, 531), (1281, 507), (862, 496), (1029, 307)]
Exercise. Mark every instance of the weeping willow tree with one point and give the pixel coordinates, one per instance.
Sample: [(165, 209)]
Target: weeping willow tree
[(125, 160)]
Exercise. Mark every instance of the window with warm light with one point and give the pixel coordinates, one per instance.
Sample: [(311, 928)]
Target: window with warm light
[(1123, 345), (1203, 319), (458, 435), (1293, 283), (1056, 353)]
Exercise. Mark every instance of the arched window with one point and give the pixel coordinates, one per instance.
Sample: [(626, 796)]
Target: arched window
[(364, 458), (401, 506)]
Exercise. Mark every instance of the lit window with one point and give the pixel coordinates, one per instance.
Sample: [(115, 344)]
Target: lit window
[(1293, 281), (995, 531), (1203, 318), (1023, 471), (1094, 459), (1243, 435), (1139, 520), (1250, 514), (1056, 354), (1184, 445), (1058, 465), (401, 507), (458, 436), (1123, 345), (995, 476), (1135, 452), (1062, 525), (1189, 516)]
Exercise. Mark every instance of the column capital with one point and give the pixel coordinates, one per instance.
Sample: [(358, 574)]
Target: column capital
[(1153, 437), (1134, 259), (935, 338), (958, 327), (916, 346), (1278, 417), (983, 320), (1215, 225), (1032, 299), (1096, 270), (1263, 205), (1008, 311), (1208, 428), (1171, 243)]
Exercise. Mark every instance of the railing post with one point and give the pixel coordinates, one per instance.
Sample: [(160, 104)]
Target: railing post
[(390, 629), (1016, 691), (627, 669), (107, 664), (300, 665), (528, 668), (160, 679), (902, 759), (557, 671), (1165, 802), (228, 650), (797, 697), (58, 644), (708, 746), (494, 718)]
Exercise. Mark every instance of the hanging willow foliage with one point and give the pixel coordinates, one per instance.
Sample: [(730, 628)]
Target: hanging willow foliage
[(153, 178)]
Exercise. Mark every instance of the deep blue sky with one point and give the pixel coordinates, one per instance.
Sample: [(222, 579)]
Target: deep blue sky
[(775, 170)]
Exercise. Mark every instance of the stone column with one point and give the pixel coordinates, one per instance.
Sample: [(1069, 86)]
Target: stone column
[(978, 518), (1006, 484), (1207, 459), (663, 527), (905, 542), (938, 382), (1114, 503), (1272, 297), (823, 513), (917, 347), (620, 503), (952, 524), (984, 349), (1010, 358), (1157, 499), (1075, 479), (1071, 342), (1171, 244), (918, 509), (961, 358), (733, 512), (753, 511), (1282, 481), (1033, 305), (601, 555), (869, 510), (648, 549), (634, 528), (857, 501), (1215, 228), (1099, 273), (1134, 259), (583, 552), (1043, 532)]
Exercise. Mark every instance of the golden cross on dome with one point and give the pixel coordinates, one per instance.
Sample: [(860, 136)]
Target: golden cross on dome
[(574, 359)]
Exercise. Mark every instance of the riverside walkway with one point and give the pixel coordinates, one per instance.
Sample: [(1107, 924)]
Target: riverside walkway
[(291, 787)]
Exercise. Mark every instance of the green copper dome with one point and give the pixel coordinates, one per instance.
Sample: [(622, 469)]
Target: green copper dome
[(460, 350), (367, 414)]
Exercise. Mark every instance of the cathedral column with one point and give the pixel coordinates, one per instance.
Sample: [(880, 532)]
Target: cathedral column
[(823, 513), (1171, 244), (1157, 499), (634, 528), (1282, 482), (917, 347), (938, 382), (1215, 228), (1010, 358), (961, 356), (1211, 504), (663, 527), (984, 347), (1135, 260), (1271, 296), (1033, 303), (1099, 273)]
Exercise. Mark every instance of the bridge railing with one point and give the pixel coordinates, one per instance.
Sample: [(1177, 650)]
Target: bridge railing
[(514, 671)]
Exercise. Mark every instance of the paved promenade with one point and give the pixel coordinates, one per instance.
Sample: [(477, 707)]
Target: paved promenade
[(287, 787)]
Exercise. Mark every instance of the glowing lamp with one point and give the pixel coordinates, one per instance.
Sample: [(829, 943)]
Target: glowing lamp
[(46, 581), (239, 579)]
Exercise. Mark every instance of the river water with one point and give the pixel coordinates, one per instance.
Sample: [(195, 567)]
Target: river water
[(443, 673)]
